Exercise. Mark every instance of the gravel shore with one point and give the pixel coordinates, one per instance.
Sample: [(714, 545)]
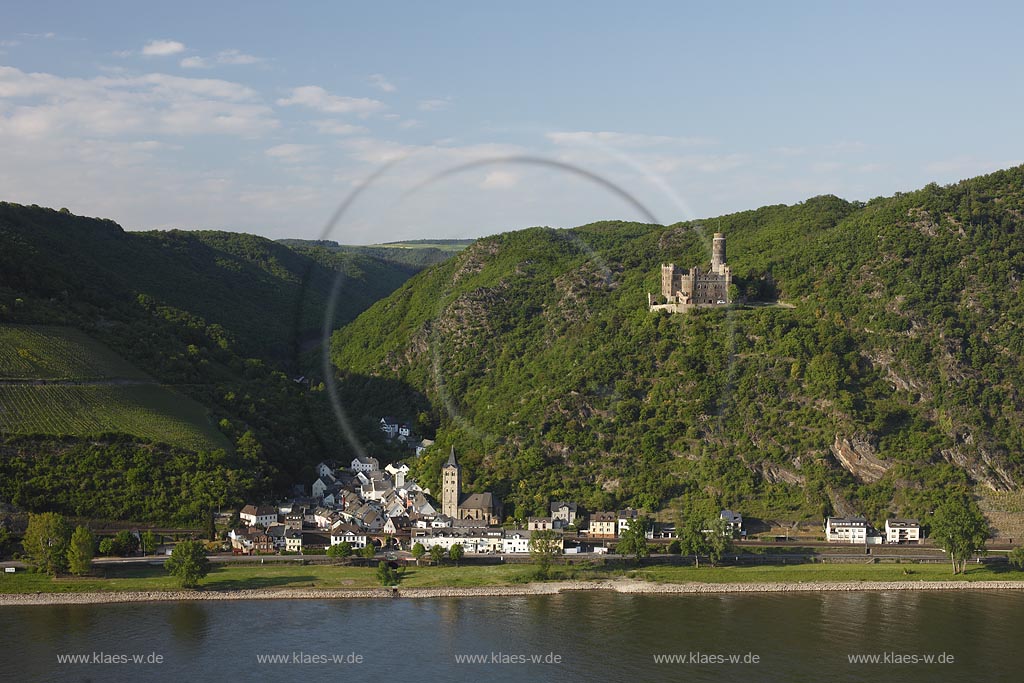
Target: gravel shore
[(618, 586)]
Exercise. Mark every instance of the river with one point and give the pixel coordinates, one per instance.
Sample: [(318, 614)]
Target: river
[(594, 636)]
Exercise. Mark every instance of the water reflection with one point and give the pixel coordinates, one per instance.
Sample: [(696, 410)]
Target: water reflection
[(189, 623)]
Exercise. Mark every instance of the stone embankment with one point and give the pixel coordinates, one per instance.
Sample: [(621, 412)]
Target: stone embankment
[(617, 586)]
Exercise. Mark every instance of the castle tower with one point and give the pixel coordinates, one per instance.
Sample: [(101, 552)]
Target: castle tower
[(718, 253), (451, 486)]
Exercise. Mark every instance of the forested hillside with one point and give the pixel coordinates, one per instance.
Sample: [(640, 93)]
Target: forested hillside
[(221, 318), (893, 378)]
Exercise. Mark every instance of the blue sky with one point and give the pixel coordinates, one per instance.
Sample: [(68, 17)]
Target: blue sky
[(262, 117)]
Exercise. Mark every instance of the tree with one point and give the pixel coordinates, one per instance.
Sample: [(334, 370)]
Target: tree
[(107, 546), (545, 545), (387, 575), (188, 562), (1016, 557), (633, 541), (80, 551), (437, 554), (455, 553), (126, 542), (960, 529), (5, 539), (148, 542), (343, 549), (46, 541), (718, 539), (418, 551), (693, 541), (368, 550), (674, 548)]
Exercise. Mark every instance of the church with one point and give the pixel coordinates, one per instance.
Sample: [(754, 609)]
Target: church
[(685, 289), (484, 507)]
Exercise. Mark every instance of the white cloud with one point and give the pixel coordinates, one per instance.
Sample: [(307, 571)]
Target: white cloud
[(194, 63), (114, 105), (409, 124), (434, 104), (315, 97), (162, 48), (381, 83), (624, 140), (292, 153), (236, 57), (332, 127), (49, 35), (500, 180)]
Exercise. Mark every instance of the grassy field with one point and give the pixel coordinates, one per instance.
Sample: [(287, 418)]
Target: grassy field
[(59, 353), (100, 404), (243, 577), (147, 410)]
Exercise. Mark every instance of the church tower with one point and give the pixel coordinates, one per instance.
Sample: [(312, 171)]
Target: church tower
[(451, 486)]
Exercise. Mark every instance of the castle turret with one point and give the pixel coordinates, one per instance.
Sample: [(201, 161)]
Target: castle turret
[(451, 486), (718, 253)]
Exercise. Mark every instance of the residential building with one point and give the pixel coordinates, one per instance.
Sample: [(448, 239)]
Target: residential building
[(846, 530), (562, 514), (733, 521), (262, 515), (603, 525), (365, 464), (902, 531)]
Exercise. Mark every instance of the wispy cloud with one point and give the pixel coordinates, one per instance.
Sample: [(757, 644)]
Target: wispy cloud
[(162, 48), (237, 57), (194, 63), (436, 104), (315, 97), (624, 140), (155, 103), (381, 83), (292, 153), (333, 127)]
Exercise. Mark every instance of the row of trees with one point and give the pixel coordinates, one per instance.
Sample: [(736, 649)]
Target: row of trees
[(53, 547)]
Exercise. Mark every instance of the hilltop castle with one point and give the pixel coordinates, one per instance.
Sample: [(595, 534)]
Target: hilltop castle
[(483, 507), (683, 290)]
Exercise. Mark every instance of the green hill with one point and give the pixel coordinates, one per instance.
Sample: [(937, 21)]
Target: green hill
[(58, 381), (902, 357), (209, 327)]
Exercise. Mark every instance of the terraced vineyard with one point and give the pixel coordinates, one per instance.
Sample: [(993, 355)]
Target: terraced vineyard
[(49, 352), (146, 410), (59, 381)]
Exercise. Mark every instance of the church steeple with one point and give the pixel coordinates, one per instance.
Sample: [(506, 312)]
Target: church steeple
[(451, 486)]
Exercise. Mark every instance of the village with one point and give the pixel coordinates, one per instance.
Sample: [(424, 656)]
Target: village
[(360, 505)]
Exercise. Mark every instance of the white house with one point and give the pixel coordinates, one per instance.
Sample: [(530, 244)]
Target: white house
[(264, 515), (733, 521), (324, 470), (516, 541), (423, 445), (293, 540), (365, 464), (404, 432), (846, 530), (902, 531), (626, 517), (346, 533), (389, 426)]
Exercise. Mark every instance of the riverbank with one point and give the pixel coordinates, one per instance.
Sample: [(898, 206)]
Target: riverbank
[(626, 586)]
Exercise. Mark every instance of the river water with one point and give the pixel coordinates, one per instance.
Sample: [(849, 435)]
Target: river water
[(607, 637)]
